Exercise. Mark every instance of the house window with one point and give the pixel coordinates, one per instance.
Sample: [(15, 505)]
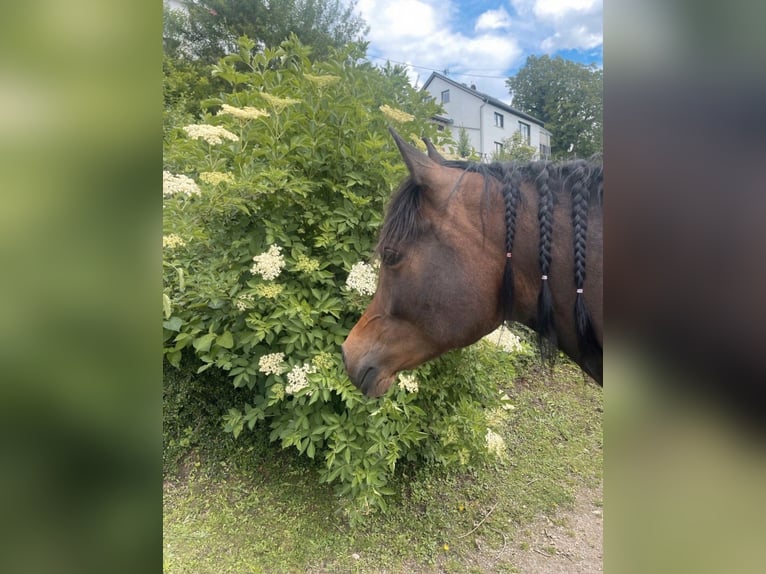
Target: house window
[(524, 129), (498, 120), (498, 147), (445, 97)]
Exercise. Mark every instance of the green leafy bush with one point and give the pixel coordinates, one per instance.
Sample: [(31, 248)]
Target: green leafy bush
[(268, 205)]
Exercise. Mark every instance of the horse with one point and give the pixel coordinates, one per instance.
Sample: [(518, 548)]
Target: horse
[(468, 246)]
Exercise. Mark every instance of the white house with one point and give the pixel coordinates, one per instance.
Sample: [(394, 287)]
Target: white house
[(487, 120)]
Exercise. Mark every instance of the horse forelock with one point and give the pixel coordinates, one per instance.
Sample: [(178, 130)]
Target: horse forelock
[(402, 222)]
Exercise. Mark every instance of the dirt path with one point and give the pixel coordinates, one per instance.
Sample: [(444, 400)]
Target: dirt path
[(570, 543)]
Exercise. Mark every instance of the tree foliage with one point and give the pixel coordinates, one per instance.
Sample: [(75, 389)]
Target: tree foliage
[(208, 29), (463, 143), (567, 96), (515, 148)]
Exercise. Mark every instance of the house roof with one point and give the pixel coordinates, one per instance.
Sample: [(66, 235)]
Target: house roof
[(487, 98)]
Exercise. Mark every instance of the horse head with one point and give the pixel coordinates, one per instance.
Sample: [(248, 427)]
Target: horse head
[(441, 253)]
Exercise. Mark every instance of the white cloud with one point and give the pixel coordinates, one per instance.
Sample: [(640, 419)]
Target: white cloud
[(422, 33), (553, 25), (576, 24), (493, 20), (399, 18), (435, 34), (555, 8)]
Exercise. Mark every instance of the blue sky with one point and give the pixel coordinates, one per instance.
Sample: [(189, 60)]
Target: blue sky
[(481, 42)]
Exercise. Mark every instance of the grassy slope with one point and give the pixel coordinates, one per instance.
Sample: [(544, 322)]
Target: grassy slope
[(262, 510)]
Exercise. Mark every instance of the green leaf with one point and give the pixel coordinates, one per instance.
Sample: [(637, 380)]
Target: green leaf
[(202, 344), (226, 340), (173, 324)]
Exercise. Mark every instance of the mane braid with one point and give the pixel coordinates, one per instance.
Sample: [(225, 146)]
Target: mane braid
[(580, 183), (510, 179), (544, 325)]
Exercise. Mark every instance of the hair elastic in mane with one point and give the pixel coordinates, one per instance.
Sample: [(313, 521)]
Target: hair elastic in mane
[(545, 277), (579, 290), (508, 255)]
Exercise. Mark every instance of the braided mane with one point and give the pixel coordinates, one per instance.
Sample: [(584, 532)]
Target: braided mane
[(581, 179)]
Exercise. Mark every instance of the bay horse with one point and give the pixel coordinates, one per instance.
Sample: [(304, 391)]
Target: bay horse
[(466, 246)]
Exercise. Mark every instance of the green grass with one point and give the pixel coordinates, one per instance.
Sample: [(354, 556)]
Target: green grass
[(250, 507)]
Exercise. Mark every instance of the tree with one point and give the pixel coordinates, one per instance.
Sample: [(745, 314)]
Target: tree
[(463, 143), (209, 29), (567, 96), (515, 148)]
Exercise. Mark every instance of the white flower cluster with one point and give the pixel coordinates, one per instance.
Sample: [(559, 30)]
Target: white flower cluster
[(395, 114), (271, 364), (216, 177), (495, 444), (321, 81), (244, 301), (269, 265), (246, 113), (503, 338), (278, 103), (408, 383), (178, 185), (211, 134), (363, 278), (172, 241), (297, 378)]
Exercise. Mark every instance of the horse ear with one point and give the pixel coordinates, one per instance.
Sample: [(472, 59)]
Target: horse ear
[(421, 167), (432, 151)]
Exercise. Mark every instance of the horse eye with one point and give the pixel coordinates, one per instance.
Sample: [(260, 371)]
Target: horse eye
[(390, 256)]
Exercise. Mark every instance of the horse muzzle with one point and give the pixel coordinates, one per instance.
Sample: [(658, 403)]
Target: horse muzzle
[(366, 376)]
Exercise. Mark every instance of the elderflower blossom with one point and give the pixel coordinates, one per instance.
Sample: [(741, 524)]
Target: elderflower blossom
[(278, 103), (306, 264), (216, 177), (172, 241), (178, 185), (503, 338), (396, 114), (272, 364), (278, 391), (362, 278), (270, 291), (246, 113), (495, 444), (297, 378), (323, 360), (408, 383), (244, 301), (211, 134), (269, 265), (418, 142), (321, 81)]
